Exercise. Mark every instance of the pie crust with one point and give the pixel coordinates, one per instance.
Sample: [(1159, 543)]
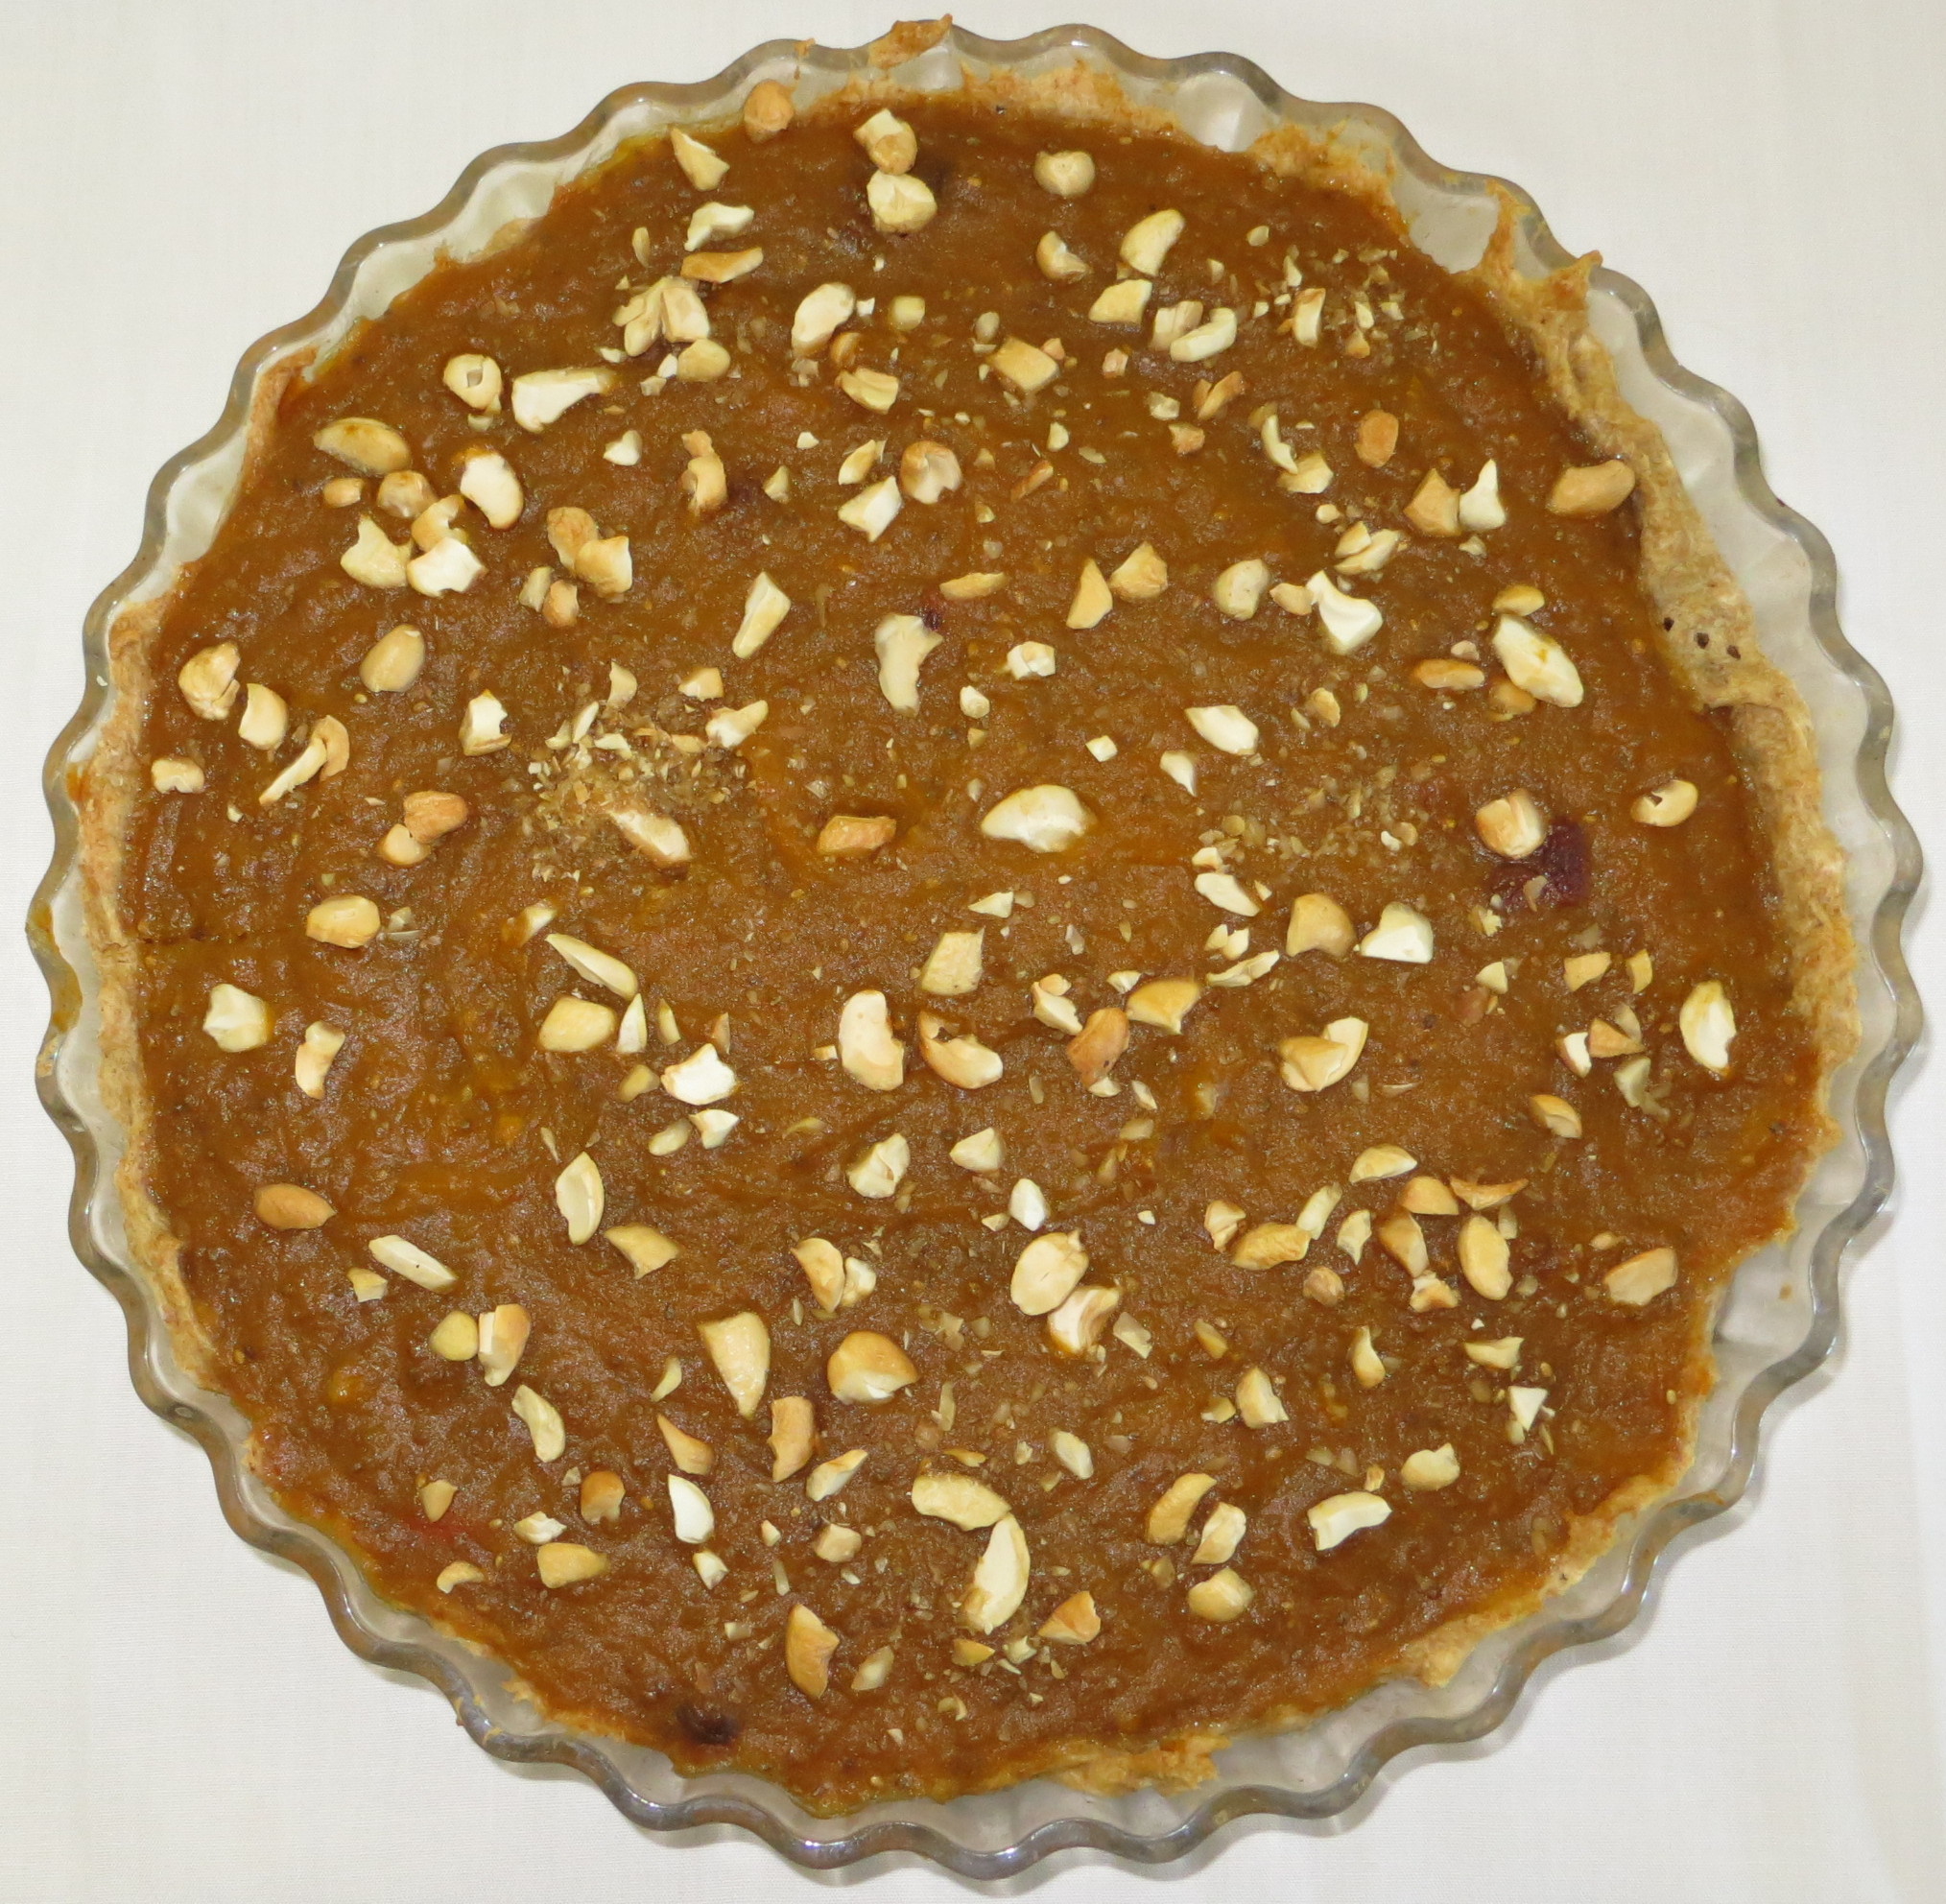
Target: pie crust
[(1710, 643)]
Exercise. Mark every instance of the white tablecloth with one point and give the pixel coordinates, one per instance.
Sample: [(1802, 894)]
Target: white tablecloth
[(180, 1726)]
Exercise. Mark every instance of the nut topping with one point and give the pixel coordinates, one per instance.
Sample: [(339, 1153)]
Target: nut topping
[(1024, 366), (1075, 1622), (837, 1544), (964, 1062), (1708, 1026), (878, 1170), (1170, 1517), (807, 1646), (767, 110), (598, 968), (320, 1045), (740, 1347), (1484, 1259), (1122, 304), (487, 481), (291, 1206), (407, 1259), (574, 1024), (371, 448), (1227, 729), (1100, 1044), (928, 471), (391, 664), (1067, 175), (866, 1366), (901, 202), (1222, 1596), (981, 1152), (1056, 261), (1223, 1534), (1581, 968), (693, 1517), (871, 390), (829, 1478), (866, 1046), (700, 165), (1594, 490), (168, 775), (701, 1078), (1513, 825), (1347, 621), (1093, 599), (1402, 935), (1554, 1115), (1429, 1470), (1163, 1003), (1378, 436), (264, 718), (1269, 1246), (542, 397), (208, 681), (1445, 677), (1258, 1404), (560, 1564), (1536, 665), (872, 511), (1047, 1271), (348, 920), (238, 1020), (657, 838), (503, 1334), (958, 1498), (1435, 508), (902, 643), (1318, 923), (819, 315), (1239, 590), (1480, 507), (1000, 1580), (1339, 1517), (1641, 1279), (1149, 241), (1043, 819), (793, 1429), (711, 221), (1667, 805), (847, 835), (601, 1496), (543, 1421), (480, 726), (954, 967), (580, 1198), (823, 1265), (1316, 1063), (1076, 1325), (1141, 576), (889, 143), (475, 380)]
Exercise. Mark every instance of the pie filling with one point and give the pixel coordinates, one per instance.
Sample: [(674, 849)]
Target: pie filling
[(934, 977)]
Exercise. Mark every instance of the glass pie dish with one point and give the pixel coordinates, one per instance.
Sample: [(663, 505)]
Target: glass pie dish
[(1777, 1319)]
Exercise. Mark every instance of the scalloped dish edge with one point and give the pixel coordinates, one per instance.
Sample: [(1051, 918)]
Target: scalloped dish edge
[(1681, 571)]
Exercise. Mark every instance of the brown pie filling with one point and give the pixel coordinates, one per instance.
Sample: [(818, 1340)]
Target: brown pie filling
[(950, 988)]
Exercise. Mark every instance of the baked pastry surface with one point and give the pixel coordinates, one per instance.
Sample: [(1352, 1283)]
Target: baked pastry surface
[(1161, 1005)]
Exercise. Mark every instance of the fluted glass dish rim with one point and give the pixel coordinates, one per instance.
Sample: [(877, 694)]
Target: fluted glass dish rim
[(1767, 1344)]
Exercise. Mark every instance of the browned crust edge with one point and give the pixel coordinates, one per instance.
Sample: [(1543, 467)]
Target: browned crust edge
[(1683, 571)]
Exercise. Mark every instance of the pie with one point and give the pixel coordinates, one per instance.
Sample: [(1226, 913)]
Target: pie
[(952, 945)]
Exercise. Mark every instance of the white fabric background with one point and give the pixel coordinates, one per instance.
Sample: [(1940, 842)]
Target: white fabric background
[(181, 174)]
